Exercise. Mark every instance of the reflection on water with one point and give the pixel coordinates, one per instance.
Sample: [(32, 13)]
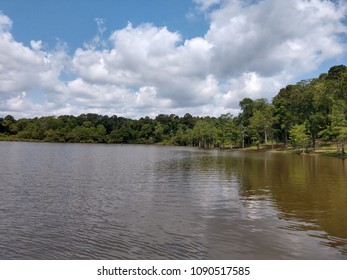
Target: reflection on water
[(309, 192), (72, 201)]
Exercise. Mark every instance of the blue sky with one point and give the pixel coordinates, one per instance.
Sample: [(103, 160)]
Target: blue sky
[(73, 21), (135, 58)]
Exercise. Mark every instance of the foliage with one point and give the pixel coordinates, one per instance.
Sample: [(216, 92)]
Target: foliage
[(304, 112), (298, 136)]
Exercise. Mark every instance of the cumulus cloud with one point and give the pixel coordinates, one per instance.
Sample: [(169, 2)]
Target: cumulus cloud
[(268, 37), (150, 57), (249, 84), (25, 68), (20, 102), (252, 49)]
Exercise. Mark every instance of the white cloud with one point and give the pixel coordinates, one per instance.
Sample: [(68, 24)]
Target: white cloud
[(149, 57), (252, 49), (147, 97), (23, 68), (36, 45), (17, 65), (204, 5), (5, 22), (272, 36), (252, 85), (19, 103)]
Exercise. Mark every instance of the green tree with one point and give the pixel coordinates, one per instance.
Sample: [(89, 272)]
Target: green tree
[(51, 136), (261, 124), (337, 130), (205, 133), (286, 110), (226, 128), (100, 134), (7, 122), (158, 133), (299, 136), (188, 120), (2, 128)]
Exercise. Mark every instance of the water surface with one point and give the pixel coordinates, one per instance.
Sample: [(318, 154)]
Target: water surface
[(93, 201)]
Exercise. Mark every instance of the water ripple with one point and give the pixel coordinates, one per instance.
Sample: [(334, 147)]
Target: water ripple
[(147, 202)]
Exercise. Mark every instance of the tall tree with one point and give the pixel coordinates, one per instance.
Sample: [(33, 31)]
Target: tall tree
[(337, 130), (261, 123), (299, 136)]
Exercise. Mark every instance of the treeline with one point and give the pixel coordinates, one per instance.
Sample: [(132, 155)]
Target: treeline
[(94, 128), (299, 114)]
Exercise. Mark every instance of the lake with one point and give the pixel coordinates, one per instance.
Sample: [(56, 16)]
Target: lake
[(95, 201)]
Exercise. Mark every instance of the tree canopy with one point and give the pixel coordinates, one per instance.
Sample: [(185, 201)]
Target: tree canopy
[(304, 112)]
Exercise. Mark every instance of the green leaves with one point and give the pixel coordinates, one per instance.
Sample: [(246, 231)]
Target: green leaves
[(302, 112), (299, 136)]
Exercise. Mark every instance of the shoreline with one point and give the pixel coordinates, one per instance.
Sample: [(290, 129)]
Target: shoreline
[(329, 150)]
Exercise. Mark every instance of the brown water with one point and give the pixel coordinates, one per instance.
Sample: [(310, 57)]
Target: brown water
[(85, 201)]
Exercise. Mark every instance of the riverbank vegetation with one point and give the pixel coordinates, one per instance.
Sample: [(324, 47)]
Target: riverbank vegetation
[(308, 116)]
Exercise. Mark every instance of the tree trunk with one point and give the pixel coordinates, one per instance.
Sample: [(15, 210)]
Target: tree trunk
[(314, 138), (343, 148), (338, 148), (265, 137)]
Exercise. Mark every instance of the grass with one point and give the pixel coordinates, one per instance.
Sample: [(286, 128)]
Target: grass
[(323, 149)]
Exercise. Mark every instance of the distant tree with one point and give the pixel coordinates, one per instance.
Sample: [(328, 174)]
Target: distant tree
[(188, 120), (299, 136), (261, 123), (336, 72), (2, 128), (205, 133), (226, 130), (158, 133), (315, 108), (286, 110), (7, 122), (100, 134), (337, 130)]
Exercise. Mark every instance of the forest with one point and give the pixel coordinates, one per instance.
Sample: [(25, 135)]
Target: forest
[(300, 116)]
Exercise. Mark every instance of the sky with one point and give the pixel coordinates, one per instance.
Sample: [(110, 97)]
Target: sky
[(136, 58)]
